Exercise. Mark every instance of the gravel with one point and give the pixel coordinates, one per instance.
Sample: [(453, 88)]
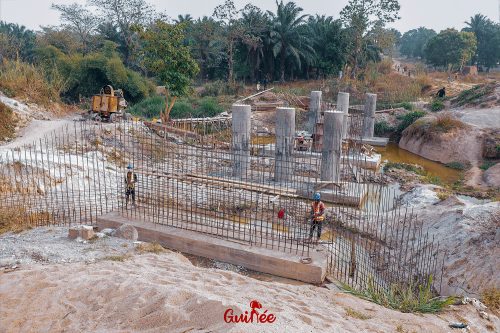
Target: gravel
[(51, 245)]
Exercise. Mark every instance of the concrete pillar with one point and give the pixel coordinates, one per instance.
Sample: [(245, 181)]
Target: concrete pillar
[(314, 111), (343, 106), (369, 116), (241, 125), (285, 136), (332, 146)]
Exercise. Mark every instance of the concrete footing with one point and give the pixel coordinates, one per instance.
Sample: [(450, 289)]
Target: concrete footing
[(263, 260)]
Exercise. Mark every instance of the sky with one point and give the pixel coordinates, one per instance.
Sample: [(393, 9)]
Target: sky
[(435, 14)]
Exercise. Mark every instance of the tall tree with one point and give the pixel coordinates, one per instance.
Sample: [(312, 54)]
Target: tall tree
[(414, 42), (287, 36), (16, 42), (80, 20), (360, 16), (488, 40), (233, 31), (207, 45), (256, 25), (329, 43), (165, 55), (451, 49), (124, 14)]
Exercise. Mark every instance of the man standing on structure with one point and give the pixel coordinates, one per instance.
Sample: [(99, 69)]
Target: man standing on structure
[(130, 181), (317, 215)]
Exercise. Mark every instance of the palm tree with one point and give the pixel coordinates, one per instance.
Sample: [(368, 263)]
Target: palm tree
[(287, 36), (184, 18), (476, 24), (329, 44)]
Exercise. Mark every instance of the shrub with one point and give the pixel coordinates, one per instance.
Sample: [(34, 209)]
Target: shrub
[(486, 165), (183, 108), (407, 120), (7, 122), (25, 81), (405, 166), (86, 75), (209, 108), (411, 298), (473, 95), (445, 123), (437, 105), (217, 88), (456, 165), (382, 128), (491, 298), (149, 107)]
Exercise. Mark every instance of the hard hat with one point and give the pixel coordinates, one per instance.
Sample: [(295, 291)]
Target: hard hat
[(130, 166), (317, 196)]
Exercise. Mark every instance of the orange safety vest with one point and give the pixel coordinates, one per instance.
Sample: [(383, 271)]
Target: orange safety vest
[(318, 209)]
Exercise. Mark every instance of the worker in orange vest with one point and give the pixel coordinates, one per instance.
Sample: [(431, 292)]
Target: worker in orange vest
[(317, 215)]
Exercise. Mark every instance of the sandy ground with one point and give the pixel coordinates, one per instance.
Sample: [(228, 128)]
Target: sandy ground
[(166, 293), (468, 231)]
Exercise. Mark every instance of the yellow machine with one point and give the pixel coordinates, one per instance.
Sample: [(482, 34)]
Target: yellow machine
[(108, 105)]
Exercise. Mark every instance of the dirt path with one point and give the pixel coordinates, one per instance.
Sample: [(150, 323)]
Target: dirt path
[(36, 130)]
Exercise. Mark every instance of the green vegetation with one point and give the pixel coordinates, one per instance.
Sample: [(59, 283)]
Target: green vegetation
[(488, 40), (473, 95), (164, 55), (406, 105), (405, 166), (407, 120), (183, 108), (451, 49), (412, 298), (487, 164), (437, 105), (457, 166), (382, 128), (414, 42)]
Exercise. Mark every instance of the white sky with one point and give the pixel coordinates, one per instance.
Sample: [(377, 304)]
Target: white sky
[(435, 14)]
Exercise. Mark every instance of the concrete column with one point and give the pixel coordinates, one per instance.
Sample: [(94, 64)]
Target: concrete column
[(285, 136), (332, 146), (314, 111), (241, 125), (369, 116), (343, 106)]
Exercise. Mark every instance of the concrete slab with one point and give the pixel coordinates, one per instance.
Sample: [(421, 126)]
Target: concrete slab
[(375, 141), (260, 259)]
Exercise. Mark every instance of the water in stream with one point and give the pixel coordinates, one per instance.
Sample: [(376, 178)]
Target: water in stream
[(393, 153)]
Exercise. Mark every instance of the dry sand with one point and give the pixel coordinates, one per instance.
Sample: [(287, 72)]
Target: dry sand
[(166, 293)]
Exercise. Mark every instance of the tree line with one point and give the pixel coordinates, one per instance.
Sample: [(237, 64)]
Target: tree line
[(234, 44), (128, 43), (477, 43)]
